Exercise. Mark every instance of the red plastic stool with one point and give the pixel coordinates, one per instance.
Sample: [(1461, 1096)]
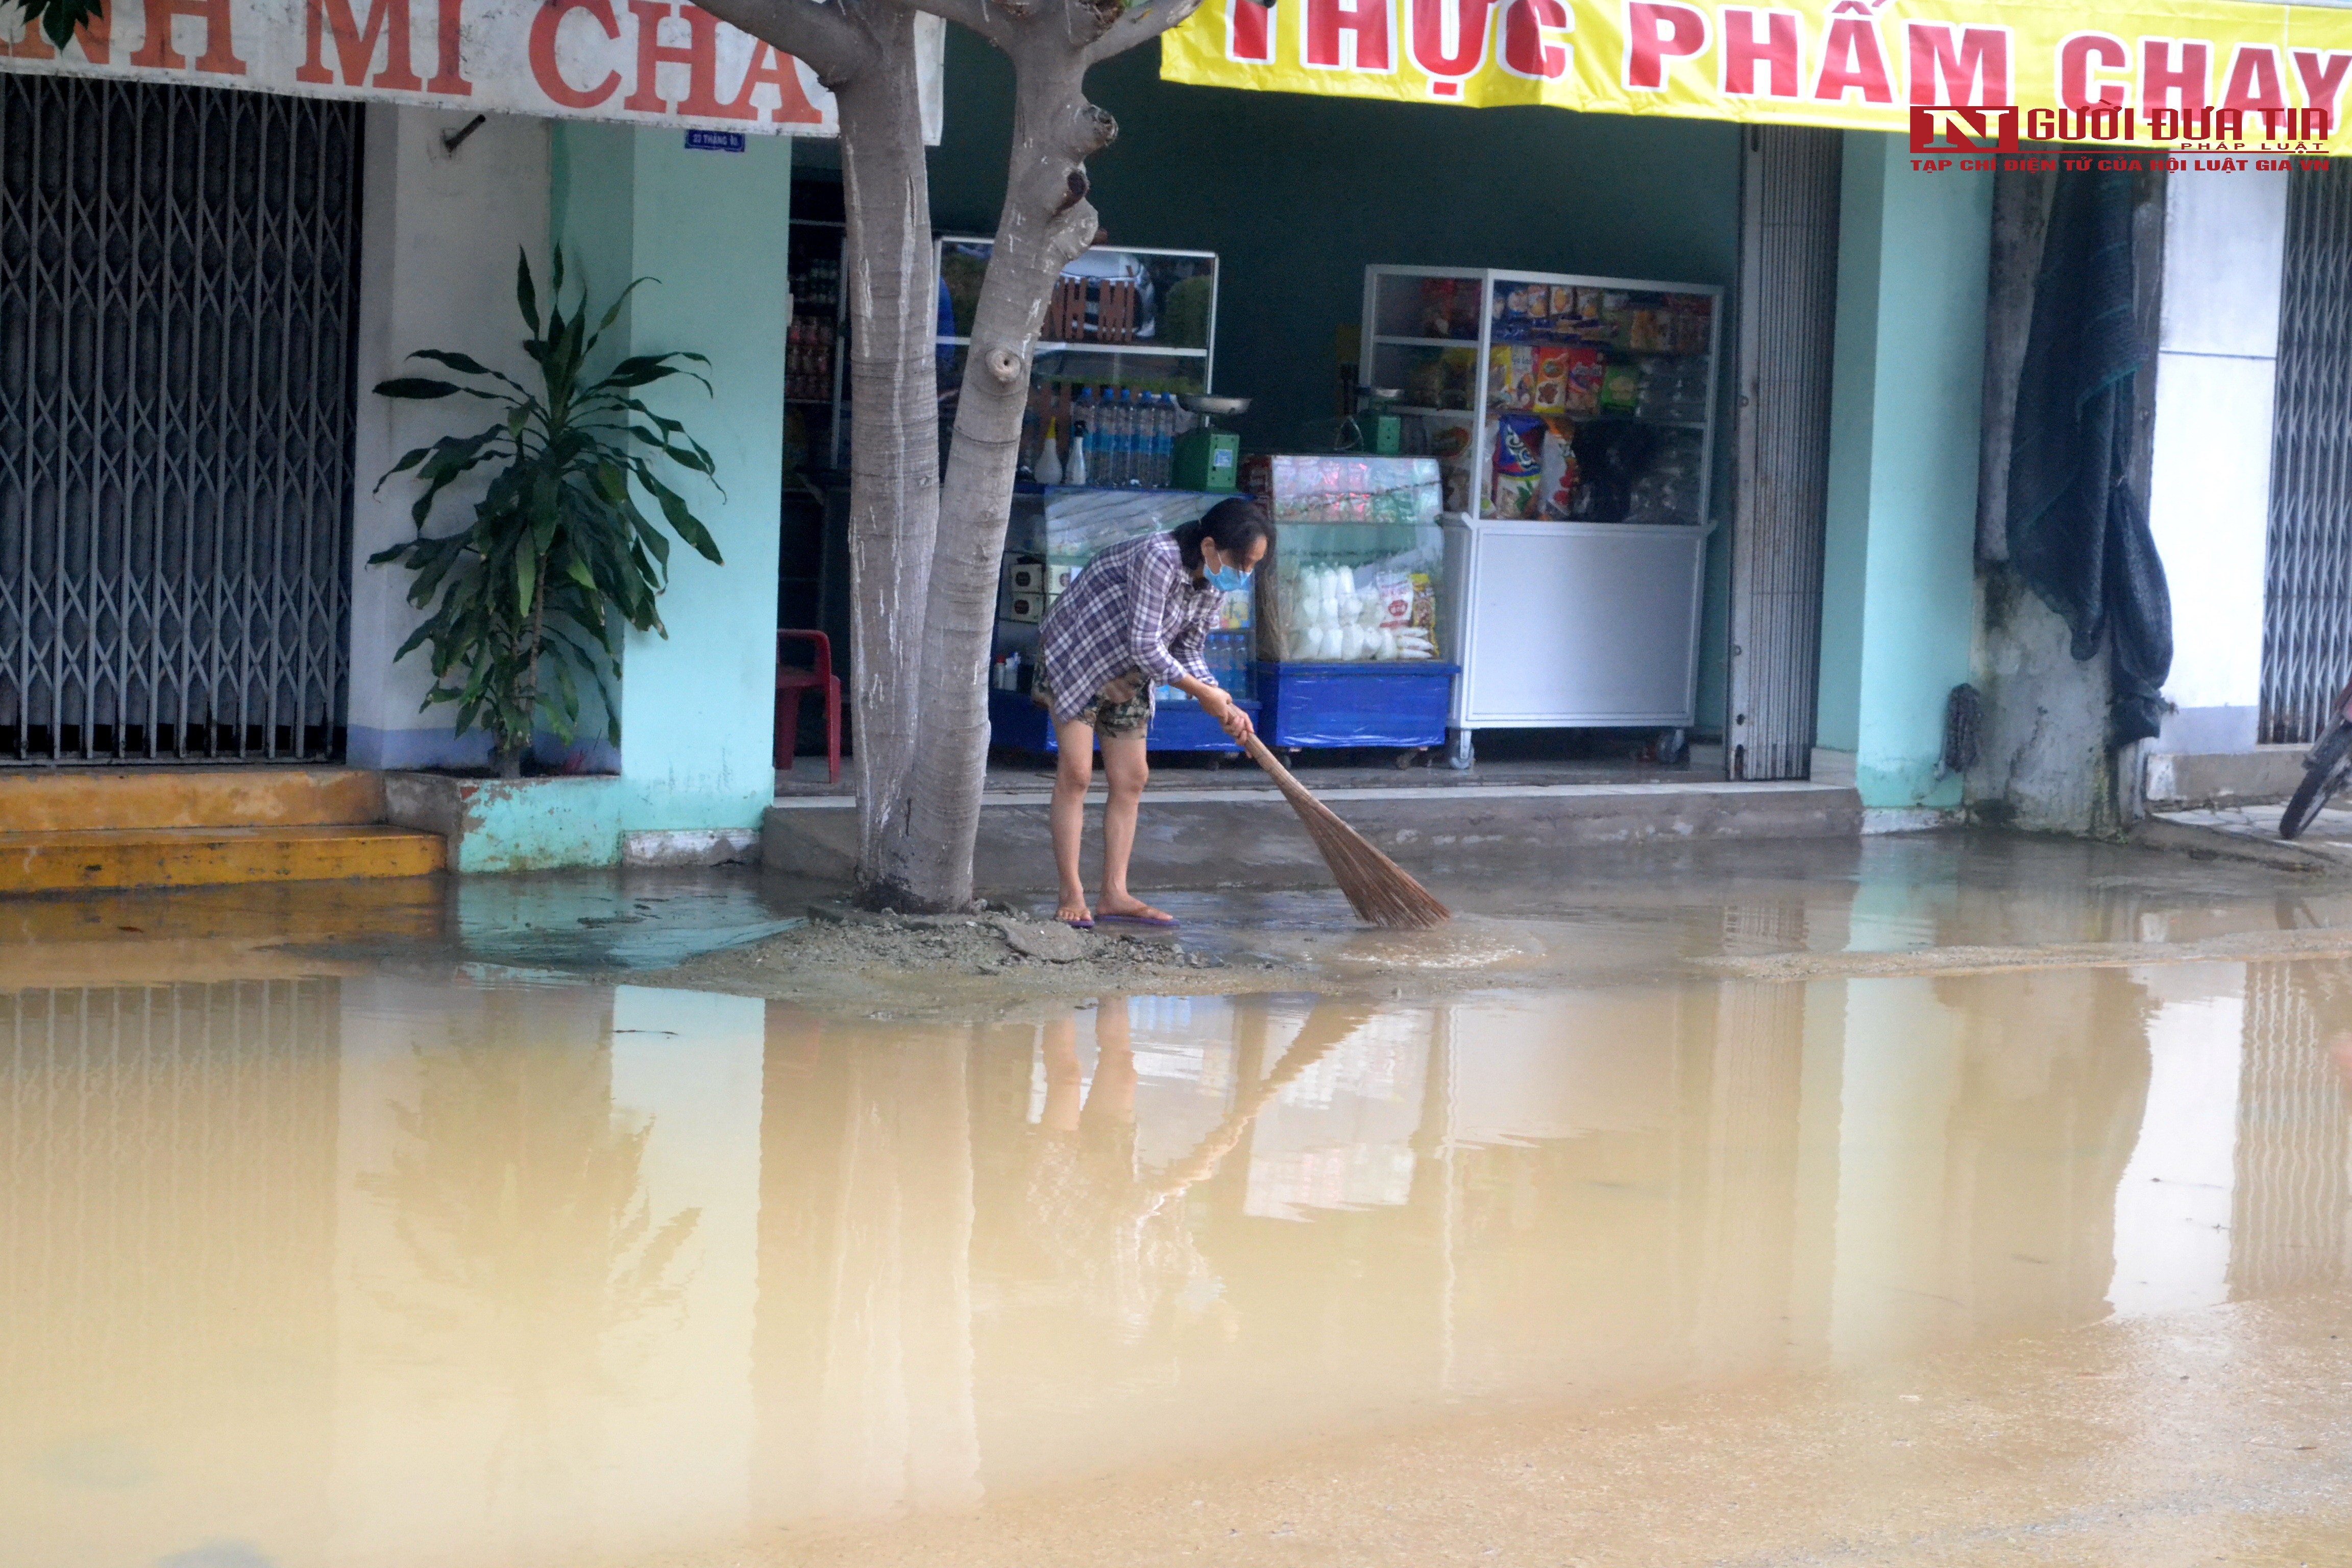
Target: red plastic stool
[(791, 684)]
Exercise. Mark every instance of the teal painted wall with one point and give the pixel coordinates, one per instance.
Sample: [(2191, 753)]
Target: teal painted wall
[(697, 706), (1297, 194), (1899, 579)]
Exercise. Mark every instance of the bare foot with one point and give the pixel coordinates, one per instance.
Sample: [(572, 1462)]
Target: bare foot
[(1073, 913), (1136, 908)]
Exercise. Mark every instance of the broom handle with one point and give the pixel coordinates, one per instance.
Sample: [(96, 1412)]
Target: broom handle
[(1265, 758)]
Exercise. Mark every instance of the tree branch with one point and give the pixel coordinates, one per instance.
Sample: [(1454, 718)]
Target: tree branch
[(1138, 25), (822, 34), (991, 19)]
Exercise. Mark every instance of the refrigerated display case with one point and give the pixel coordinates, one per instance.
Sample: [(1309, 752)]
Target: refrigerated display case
[(1350, 644), (1052, 534), (1572, 419)]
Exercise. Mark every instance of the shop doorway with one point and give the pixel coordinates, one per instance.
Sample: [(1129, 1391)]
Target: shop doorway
[(1786, 316), (178, 293), (2307, 600)]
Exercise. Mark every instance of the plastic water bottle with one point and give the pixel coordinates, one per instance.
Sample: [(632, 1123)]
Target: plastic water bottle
[(1123, 459), (1082, 420), (1048, 467), (1163, 441)]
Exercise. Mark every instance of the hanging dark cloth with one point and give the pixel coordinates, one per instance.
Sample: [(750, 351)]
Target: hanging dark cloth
[(2077, 533)]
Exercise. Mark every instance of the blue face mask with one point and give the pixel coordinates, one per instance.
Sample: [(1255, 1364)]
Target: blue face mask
[(1232, 579)]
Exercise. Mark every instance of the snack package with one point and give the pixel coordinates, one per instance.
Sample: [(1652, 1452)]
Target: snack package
[(1454, 442), (1687, 327), (1621, 389), (1551, 395), (1581, 396), (1557, 471), (1587, 312), (1437, 307), (1518, 464), (1511, 376), (1563, 303)]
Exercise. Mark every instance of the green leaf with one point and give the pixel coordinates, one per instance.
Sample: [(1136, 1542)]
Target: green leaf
[(525, 295), (418, 388)]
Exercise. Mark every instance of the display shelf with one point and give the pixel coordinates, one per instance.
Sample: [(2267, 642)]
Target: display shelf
[(1573, 580), (1086, 348)]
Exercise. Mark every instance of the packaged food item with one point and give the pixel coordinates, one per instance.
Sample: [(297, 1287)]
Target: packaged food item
[(1454, 442), (1563, 302), (1555, 471), (1518, 465), (1424, 382), (1511, 376), (1437, 307), (1645, 330), (1551, 395), (1587, 312), (1691, 315), (1621, 389), (1581, 396)]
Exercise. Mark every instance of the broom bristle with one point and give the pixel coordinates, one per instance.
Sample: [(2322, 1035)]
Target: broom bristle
[(1377, 889)]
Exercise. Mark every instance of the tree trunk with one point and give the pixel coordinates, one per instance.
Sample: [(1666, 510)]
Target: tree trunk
[(893, 300), (1046, 222)]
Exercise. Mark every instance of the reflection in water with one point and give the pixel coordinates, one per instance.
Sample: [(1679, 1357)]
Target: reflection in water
[(375, 1271)]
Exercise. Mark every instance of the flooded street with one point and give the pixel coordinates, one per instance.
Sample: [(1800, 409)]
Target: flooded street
[(1667, 1255)]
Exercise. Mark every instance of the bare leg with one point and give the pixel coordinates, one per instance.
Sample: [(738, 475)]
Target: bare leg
[(1113, 1094), (1125, 767), (1072, 775), (1064, 1081)]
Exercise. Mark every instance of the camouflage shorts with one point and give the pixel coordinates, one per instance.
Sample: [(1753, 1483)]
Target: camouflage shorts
[(1113, 719)]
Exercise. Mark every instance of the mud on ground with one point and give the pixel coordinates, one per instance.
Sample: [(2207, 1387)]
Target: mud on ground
[(911, 966)]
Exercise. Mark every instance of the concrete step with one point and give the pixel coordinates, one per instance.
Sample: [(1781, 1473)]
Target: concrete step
[(72, 800), (1250, 837), (2194, 780), (54, 862)]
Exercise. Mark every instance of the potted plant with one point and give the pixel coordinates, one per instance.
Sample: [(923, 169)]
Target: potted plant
[(530, 597)]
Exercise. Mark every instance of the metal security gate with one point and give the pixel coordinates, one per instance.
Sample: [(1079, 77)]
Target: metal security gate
[(2307, 610), (178, 289), (1780, 446)]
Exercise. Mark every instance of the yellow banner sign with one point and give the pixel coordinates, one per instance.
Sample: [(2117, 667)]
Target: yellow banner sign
[(2158, 72)]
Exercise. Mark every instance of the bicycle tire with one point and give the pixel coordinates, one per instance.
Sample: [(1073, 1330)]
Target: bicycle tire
[(2322, 777)]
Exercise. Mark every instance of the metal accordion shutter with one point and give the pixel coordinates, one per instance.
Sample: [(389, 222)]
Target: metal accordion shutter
[(1786, 316), (2307, 608), (178, 291)]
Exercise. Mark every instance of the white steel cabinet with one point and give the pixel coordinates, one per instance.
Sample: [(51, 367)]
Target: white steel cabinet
[(1589, 617)]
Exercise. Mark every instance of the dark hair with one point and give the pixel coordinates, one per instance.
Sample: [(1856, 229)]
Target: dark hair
[(1233, 525)]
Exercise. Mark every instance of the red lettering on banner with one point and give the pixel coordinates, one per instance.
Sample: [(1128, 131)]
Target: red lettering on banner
[(1777, 50), (220, 50), (699, 55), (355, 49), (1971, 127), (2080, 54), (94, 36), (542, 52), (451, 78), (1527, 29), (778, 70), (1446, 63), (1852, 58), (1972, 68), (2322, 79), (1349, 35), (1655, 32), (2170, 80), (2255, 80), (1249, 33)]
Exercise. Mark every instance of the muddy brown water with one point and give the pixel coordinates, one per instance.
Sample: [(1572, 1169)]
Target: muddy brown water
[(2009, 1262)]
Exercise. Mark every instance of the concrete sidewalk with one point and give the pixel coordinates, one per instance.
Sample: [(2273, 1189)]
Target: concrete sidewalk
[(1243, 833)]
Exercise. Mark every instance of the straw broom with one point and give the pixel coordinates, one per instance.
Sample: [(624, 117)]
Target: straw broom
[(1375, 885)]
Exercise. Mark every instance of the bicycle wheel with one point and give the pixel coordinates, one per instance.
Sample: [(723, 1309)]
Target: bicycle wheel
[(2322, 777)]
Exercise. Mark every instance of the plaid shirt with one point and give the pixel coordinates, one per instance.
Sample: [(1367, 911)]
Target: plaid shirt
[(1133, 607)]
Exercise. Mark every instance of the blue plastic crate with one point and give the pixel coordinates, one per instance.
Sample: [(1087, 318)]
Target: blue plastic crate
[(1400, 703), (1016, 720)]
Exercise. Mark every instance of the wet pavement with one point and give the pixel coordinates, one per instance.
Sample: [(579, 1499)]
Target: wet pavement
[(1940, 1200)]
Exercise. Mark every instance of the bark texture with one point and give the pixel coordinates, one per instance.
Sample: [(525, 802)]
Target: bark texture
[(924, 550), (1046, 222)]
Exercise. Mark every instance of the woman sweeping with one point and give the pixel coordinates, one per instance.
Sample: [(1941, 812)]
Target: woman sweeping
[(1138, 616)]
